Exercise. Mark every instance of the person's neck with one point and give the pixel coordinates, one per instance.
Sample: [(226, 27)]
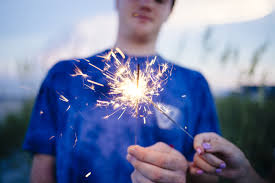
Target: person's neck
[(136, 47)]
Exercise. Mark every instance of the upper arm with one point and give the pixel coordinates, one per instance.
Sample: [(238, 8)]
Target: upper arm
[(43, 169), (39, 138), (43, 122)]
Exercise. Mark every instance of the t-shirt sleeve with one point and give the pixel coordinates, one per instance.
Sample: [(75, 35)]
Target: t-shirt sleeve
[(40, 136), (207, 118)]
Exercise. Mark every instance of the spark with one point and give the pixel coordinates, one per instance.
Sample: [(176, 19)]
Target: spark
[(61, 97), (95, 67), (122, 113), (120, 52), (103, 103), (68, 108), (88, 174), (116, 59), (78, 72), (93, 82), (132, 89), (106, 57), (76, 60), (75, 141), (86, 60), (51, 137), (106, 117), (41, 112), (92, 87), (183, 96)]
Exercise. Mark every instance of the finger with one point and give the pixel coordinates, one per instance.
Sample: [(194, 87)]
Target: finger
[(203, 138), (161, 147), (154, 173), (163, 160), (193, 170), (213, 160), (203, 165), (164, 148), (218, 144), (139, 178)]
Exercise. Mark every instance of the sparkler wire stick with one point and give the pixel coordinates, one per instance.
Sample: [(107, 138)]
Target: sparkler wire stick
[(138, 68), (176, 123)]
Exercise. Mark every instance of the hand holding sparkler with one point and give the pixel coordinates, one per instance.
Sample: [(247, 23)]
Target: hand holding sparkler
[(157, 163), (216, 155)]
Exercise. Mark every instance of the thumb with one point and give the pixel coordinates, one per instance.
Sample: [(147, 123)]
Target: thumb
[(160, 147)]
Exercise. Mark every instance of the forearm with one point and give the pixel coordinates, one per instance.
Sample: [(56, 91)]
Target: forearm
[(42, 178), (43, 169), (250, 177)]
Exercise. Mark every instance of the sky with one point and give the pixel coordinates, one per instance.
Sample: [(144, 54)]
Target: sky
[(40, 33)]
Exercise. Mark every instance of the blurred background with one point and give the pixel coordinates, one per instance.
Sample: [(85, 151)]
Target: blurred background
[(231, 42)]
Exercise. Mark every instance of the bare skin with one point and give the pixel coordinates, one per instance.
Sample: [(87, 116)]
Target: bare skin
[(161, 163), (139, 25), (43, 169), (157, 163), (216, 155)]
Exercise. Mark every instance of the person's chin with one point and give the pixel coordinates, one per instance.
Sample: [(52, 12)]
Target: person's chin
[(143, 33), (143, 29)]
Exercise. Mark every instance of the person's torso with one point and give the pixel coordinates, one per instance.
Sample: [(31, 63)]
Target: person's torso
[(86, 142)]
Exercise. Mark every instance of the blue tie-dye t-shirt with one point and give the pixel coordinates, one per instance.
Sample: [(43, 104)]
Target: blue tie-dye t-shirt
[(66, 123)]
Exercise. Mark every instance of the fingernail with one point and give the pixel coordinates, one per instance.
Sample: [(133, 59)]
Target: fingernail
[(218, 170), (198, 150), (129, 157), (199, 172), (131, 149), (223, 165), (206, 146)]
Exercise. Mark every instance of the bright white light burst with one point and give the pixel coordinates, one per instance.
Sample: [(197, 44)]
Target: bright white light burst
[(133, 89)]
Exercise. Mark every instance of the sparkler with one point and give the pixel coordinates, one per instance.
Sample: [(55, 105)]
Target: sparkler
[(134, 90), (138, 69), (130, 90)]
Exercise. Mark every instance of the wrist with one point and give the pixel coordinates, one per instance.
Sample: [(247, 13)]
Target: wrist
[(249, 176)]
